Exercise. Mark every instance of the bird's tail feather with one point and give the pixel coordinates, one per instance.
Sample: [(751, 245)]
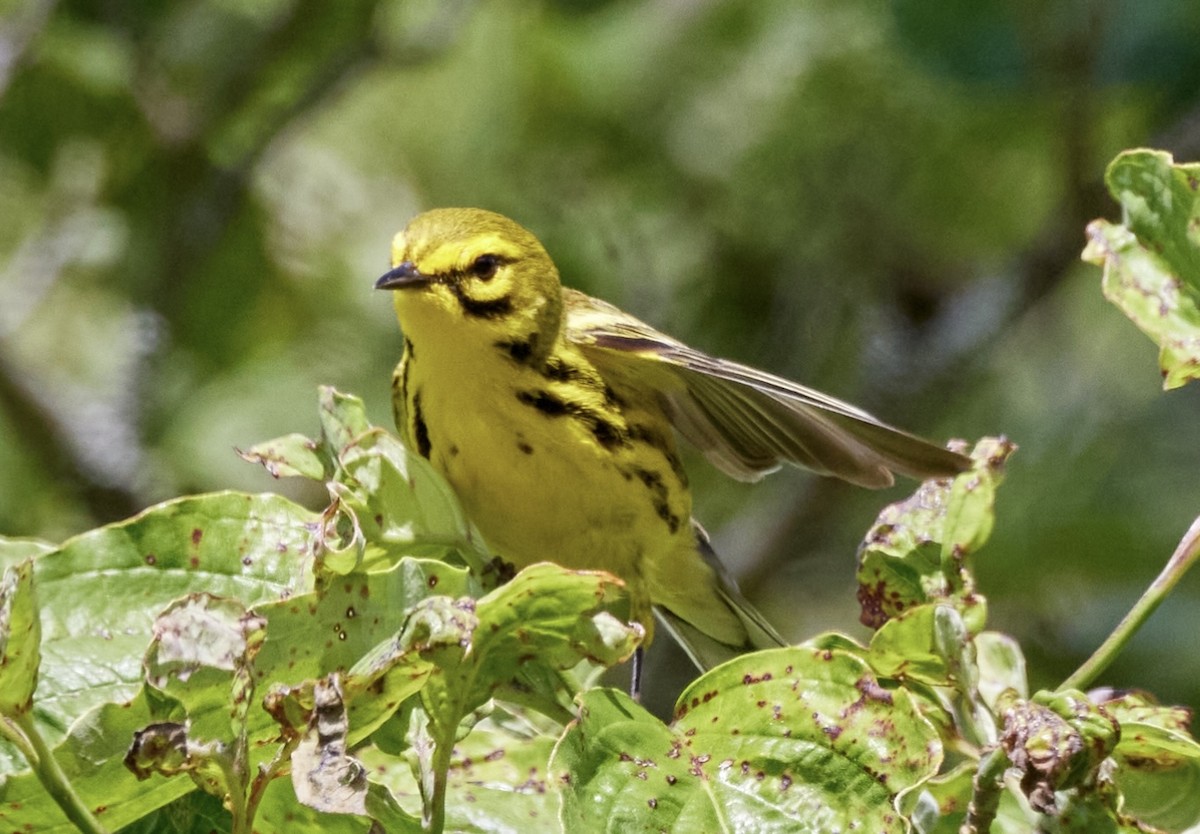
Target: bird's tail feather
[(705, 650)]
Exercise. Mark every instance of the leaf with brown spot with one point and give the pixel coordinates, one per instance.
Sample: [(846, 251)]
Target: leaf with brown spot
[(498, 778), (1158, 760), (20, 639), (918, 550), (1152, 260), (804, 735)]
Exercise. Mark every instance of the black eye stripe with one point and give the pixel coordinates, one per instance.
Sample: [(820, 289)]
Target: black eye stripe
[(489, 308), (484, 267)]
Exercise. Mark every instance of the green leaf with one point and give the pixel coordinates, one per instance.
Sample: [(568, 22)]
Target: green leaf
[(1159, 762), (556, 616), (917, 551), (398, 609), (1159, 775), (101, 591), (13, 551), (939, 806), (204, 648), (498, 780), (343, 418), (1090, 813), (1152, 262), (200, 658), (20, 640), (352, 624), (92, 756), (791, 739), (547, 616), (397, 504), (1161, 202), (292, 455), (280, 813), (1001, 668), (400, 504), (201, 661), (970, 513), (195, 813), (389, 503), (1141, 707), (929, 644)]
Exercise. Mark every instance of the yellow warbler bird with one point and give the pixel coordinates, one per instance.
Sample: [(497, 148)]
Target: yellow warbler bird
[(552, 414)]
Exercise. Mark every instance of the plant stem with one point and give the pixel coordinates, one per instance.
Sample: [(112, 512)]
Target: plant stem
[(435, 812), (266, 773), (1184, 557), (233, 765), (11, 733), (985, 799), (54, 780)]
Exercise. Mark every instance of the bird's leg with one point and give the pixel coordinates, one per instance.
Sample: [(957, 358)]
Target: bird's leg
[(635, 677)]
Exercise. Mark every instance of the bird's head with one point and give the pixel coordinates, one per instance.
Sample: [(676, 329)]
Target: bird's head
[(460, 268)]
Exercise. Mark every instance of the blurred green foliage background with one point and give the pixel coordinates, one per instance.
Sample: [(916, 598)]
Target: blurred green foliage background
[(882, 200)]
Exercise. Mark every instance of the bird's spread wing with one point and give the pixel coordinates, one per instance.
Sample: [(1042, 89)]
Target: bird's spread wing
[(747, 422)]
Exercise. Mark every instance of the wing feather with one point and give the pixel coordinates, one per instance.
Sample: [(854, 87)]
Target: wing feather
[(748, 422)]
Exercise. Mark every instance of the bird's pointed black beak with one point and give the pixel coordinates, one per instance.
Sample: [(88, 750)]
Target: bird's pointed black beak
[(400, 276)]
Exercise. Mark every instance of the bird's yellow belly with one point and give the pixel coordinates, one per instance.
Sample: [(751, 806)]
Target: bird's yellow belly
[(550, 495), (541, 488)]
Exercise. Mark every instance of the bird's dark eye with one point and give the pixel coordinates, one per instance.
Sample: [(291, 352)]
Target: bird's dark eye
[(484, 267)]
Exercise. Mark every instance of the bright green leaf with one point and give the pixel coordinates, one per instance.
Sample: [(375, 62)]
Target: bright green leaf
[(401, 505), (352, 625), (1001, 667), (498, 782), (343, 418), (398, 505), (547, 616), (557, 616), (790, 739), (92, 756), (1161, 202), (917, 550), (20, 639), (101, 591), (1158, 770), (911, 646), (13, 551), (292, 455), (201, 655), (280, 813), (1152, 262), (970, 513), (390, 502), (338, 625)]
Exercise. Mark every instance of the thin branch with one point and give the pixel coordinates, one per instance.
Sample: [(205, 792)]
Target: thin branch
[(54, 780), (1185, 555)]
